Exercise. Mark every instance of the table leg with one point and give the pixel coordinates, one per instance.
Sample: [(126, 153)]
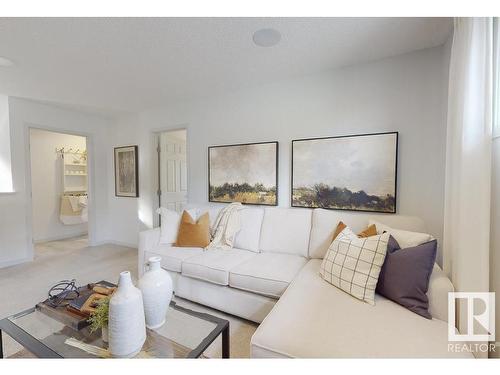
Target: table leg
[(225, 342), (1, 345)]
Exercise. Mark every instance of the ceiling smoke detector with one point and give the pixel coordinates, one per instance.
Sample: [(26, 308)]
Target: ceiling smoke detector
[(266, 37)]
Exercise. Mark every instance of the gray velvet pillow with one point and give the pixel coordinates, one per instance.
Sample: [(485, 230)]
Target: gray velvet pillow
[(405, 275)]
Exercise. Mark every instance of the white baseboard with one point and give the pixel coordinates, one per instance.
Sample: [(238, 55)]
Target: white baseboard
[(15, 262), (58, 238), (114, 242)]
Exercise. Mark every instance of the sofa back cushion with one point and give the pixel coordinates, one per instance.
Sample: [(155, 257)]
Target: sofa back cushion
[(404, 238), (286, 230), (248, 236), (324, 223)]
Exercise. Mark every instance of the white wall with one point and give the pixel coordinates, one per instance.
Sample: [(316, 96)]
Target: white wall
[(47, 184), (495, 237), (124, 212), (15, 230), (403, 93), (5, 170)]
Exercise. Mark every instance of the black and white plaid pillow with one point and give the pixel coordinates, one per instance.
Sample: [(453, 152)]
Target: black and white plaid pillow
[(353, 264)]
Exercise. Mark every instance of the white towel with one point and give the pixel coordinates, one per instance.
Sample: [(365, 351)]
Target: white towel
[(226, 226), (82, 201), (68, 215), (73, 201)]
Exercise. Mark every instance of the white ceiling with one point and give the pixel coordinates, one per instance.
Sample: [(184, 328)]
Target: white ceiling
[(132, 64)]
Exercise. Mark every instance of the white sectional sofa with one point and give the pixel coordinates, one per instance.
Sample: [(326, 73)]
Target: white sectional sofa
[(271, 277)]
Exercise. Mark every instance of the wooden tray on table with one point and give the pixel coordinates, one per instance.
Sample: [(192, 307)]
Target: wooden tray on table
[(71, 315)]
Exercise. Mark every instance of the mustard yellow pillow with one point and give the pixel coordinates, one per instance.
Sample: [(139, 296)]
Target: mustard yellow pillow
[(193, 233), (368, 232)]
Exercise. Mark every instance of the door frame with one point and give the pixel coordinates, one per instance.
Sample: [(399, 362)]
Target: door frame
[(155, 166), (91, 224)]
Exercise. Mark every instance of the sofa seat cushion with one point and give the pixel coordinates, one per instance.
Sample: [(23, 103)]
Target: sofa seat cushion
[(268, 274), (172, 256), (314, 319), (214, 265)]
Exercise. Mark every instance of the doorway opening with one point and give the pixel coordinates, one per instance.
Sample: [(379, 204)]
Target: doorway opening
[(172, 185), (59, 191)]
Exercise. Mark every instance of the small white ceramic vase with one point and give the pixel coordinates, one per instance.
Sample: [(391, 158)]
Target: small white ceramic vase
[(104, 334), (126, 324), (156, 287)]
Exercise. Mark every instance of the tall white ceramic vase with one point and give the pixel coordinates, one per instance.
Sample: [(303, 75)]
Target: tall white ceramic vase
[(126, 323), (156, 287)]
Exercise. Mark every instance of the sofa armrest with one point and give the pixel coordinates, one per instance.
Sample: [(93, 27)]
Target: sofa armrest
[(148, 240), (439, 287)]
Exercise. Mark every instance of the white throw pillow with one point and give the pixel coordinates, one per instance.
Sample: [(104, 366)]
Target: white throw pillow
[(353, 264), (405, 238), (170, 221)]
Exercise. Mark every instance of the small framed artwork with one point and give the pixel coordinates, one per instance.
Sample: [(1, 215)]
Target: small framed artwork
[(245, 173), (355, 172), (126, 171)]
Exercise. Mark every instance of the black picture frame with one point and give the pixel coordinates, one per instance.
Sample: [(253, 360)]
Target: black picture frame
[(276, 143), (135, 148), (292, 204)]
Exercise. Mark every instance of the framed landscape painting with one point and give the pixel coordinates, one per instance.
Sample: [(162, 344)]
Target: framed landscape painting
[(126, 171), (356, 173), (246, 173)]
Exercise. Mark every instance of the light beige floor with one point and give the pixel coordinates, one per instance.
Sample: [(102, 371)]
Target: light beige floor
[(22, 286)]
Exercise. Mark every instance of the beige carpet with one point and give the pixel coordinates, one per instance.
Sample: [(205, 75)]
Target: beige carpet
[(26, 284)]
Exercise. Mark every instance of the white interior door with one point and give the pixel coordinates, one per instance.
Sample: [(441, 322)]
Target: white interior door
[(173, 170)]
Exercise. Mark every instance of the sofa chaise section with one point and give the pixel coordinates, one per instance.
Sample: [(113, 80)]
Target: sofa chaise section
[(313, 319)]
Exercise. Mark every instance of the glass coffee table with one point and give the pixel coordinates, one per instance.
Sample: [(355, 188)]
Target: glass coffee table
[(186, 334)]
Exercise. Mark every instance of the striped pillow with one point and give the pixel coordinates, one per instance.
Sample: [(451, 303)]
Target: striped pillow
[(353, 264)]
